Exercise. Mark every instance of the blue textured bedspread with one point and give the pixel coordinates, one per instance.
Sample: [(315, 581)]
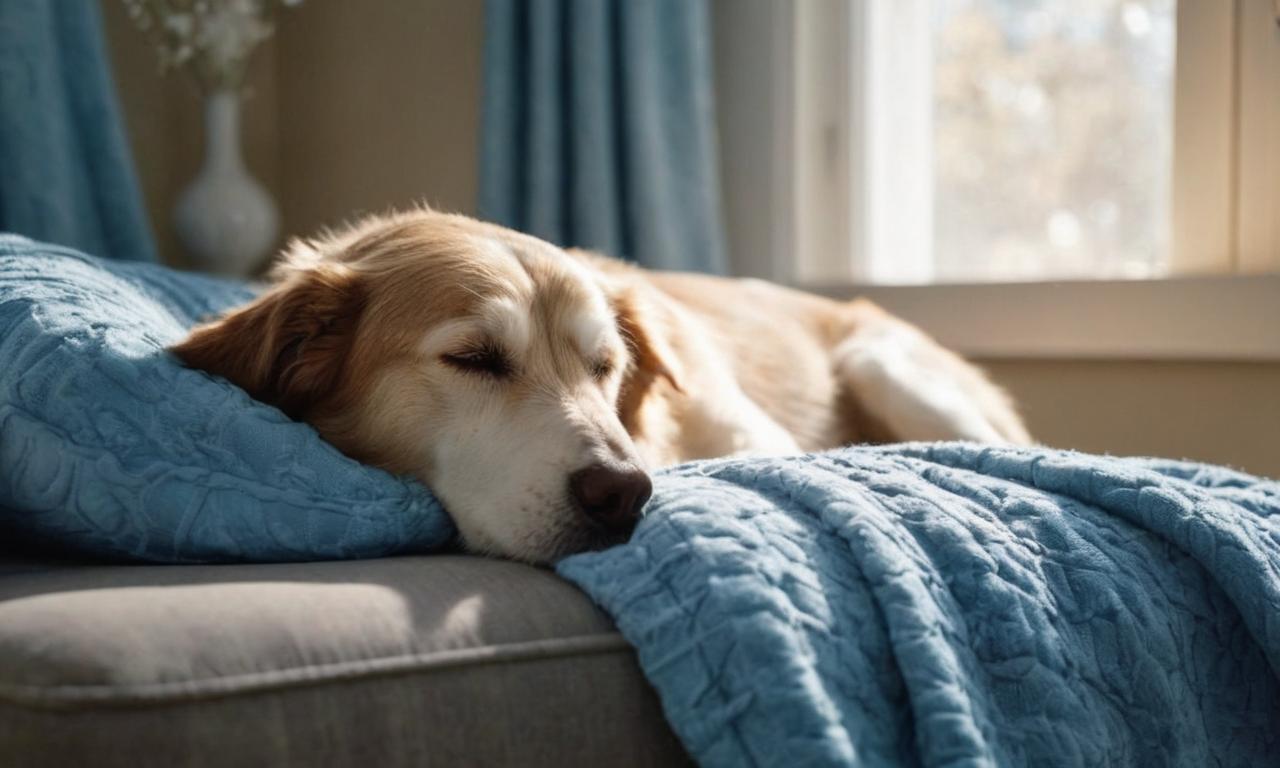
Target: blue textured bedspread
[(955, 605)]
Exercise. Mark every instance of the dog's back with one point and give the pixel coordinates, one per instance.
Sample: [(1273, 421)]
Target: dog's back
[(827, 373)]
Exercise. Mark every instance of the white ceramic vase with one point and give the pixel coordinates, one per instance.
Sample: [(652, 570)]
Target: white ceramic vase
[(225, 219)]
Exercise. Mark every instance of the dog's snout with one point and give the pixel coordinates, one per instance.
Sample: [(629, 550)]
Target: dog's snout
[(611, 496)]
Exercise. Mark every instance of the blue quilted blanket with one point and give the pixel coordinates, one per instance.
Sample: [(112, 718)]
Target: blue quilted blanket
[(956, 605)]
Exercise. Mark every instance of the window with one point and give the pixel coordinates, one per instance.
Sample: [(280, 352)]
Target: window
[(1118, 159), (1052, 139), (945, 141)]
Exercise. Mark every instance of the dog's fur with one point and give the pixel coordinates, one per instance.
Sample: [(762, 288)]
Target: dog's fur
[(493, 366)]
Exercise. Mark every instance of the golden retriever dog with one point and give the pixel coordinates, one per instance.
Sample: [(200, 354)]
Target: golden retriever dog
[(532, 388)]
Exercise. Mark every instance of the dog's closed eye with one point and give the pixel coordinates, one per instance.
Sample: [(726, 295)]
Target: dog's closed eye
[(486, 360), (601, 369)]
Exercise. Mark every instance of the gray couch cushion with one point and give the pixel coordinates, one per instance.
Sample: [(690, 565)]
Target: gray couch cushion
[(405, 661)]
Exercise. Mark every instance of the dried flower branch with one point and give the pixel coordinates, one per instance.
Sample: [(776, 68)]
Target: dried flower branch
[(211, 39)]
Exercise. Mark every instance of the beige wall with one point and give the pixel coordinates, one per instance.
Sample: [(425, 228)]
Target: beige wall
[(359, 106), (379, 106), (1227, 413)]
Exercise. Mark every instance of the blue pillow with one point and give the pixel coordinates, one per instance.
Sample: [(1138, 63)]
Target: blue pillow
[(109, 445)]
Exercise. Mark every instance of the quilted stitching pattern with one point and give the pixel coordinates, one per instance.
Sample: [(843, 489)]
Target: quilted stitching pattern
[(109, 445), (956, 605)]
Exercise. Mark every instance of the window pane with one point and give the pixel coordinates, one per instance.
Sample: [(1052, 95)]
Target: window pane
[(1053, 129)]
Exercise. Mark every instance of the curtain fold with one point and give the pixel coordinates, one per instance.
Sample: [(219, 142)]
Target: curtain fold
[(599, 128), (66, 174)]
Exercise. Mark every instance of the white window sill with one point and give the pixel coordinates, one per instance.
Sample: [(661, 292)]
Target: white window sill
[(1191, 318)]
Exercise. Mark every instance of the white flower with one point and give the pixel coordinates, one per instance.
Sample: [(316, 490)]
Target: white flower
[(180, 24), (228, 34), (214, 39)]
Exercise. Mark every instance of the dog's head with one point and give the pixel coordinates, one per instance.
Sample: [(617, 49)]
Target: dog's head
[(486, 363)]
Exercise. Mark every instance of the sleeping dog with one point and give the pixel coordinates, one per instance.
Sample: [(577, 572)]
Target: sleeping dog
[(532, 387)]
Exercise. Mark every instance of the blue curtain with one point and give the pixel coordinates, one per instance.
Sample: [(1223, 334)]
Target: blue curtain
[(66, 175), (599, 128)]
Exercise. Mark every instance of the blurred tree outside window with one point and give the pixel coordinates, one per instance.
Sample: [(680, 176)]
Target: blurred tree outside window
[(1052, 138)]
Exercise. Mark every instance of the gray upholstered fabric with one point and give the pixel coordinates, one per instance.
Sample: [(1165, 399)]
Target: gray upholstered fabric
[(405, 661)]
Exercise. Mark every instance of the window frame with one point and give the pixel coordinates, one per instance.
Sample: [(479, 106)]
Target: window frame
[(1256, 248), (1225, 207)]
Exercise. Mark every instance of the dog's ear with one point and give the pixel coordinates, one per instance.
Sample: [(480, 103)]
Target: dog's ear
[(287, 347), (646, 335)]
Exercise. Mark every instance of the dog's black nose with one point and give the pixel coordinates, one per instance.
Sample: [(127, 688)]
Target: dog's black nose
[(612, 496)]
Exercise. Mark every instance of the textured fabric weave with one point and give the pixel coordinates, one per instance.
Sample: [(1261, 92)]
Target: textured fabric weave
[(599, 128), (66, 175), (952, 605), (110, 446)]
